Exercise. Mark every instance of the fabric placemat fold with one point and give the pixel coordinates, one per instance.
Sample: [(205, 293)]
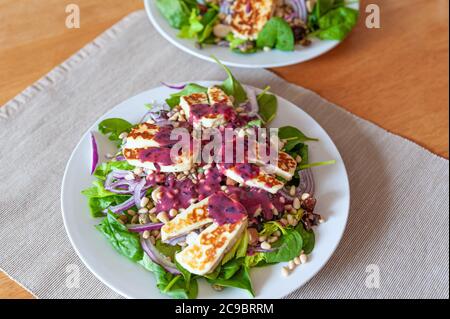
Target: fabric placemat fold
[(399, 217)]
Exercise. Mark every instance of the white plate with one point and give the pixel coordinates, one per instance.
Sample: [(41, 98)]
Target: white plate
[(271, 59), (131, 280)]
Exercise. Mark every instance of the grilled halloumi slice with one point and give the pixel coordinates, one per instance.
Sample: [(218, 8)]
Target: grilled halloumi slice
[(142, 136), (194, 217), (181, 163), (187, 101), (284, 167), (262, 180), (205, 253), (217, 96), (250, 16)]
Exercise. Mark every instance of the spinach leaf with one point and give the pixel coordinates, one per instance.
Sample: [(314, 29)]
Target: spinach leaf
[(254, 260), (337, 24), (290, 133), (277, 33), (288, 247), (176, 12), (233, 87), (232, 252), (230, 268), (100, 199), (241, 279), (114, 127), (125, 242), (190, 88), (254, 123), (268, 106), (105, 168), (166, 249), (194, 26), (308, 237), (208, 21), (243, 245), (173, 286)]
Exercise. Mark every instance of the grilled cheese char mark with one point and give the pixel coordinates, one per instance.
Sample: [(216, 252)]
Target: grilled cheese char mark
[(154, 141), (194, 217), (205, 253), (284, 167), (250, 16), (199, 107), (262, 180)]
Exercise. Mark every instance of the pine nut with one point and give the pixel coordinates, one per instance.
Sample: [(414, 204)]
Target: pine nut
[(144, 201), (152, 240), (285, 272), (303, 258), (135, 219), (173, 212), (262, 238), (292, 190), (305, 196), (272, 239), (298, 159), (123, 135), (277, 233), (290, 219), (265, 245), (162, 216), (131, 212), (143, 210), (146, 234), (297, 261), (282, 200), (321, 220), (275, 211), (296, 204), (291, 265), (258, 212)]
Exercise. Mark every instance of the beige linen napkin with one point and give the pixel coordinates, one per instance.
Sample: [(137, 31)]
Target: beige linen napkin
[(399, 217)]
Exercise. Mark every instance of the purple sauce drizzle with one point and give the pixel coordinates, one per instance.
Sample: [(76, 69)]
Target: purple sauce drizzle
[(157, 155), (224, 210)]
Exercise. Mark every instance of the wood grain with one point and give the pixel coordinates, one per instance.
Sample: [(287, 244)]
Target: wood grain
[(395, 76)]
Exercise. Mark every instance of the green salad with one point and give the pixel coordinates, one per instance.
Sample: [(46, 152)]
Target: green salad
[(186, 220), (248, 26)]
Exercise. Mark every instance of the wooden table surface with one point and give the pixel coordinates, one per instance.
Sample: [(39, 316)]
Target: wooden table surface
[(395, 76)]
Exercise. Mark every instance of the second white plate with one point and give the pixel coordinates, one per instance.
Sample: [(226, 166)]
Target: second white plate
[(271, 59)]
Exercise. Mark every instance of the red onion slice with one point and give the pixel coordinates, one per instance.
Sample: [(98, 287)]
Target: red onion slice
[(94, 154), (144, 227), (252, 101), (157, 257), (138, 192), (175, 87), (118, 209)]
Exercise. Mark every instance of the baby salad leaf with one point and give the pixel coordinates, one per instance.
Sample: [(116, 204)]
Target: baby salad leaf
[(208, 21), (290, 133), (190, 88), (125, 242), (232, 87), (308, 238), (114, 127), (337, 24), (288, 247), (166, 249), (105, 168), (176, 12), (254, 260), (173, 286), (277, 33), (268, 106), (194, 26), (240, 279), (100, 199)]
